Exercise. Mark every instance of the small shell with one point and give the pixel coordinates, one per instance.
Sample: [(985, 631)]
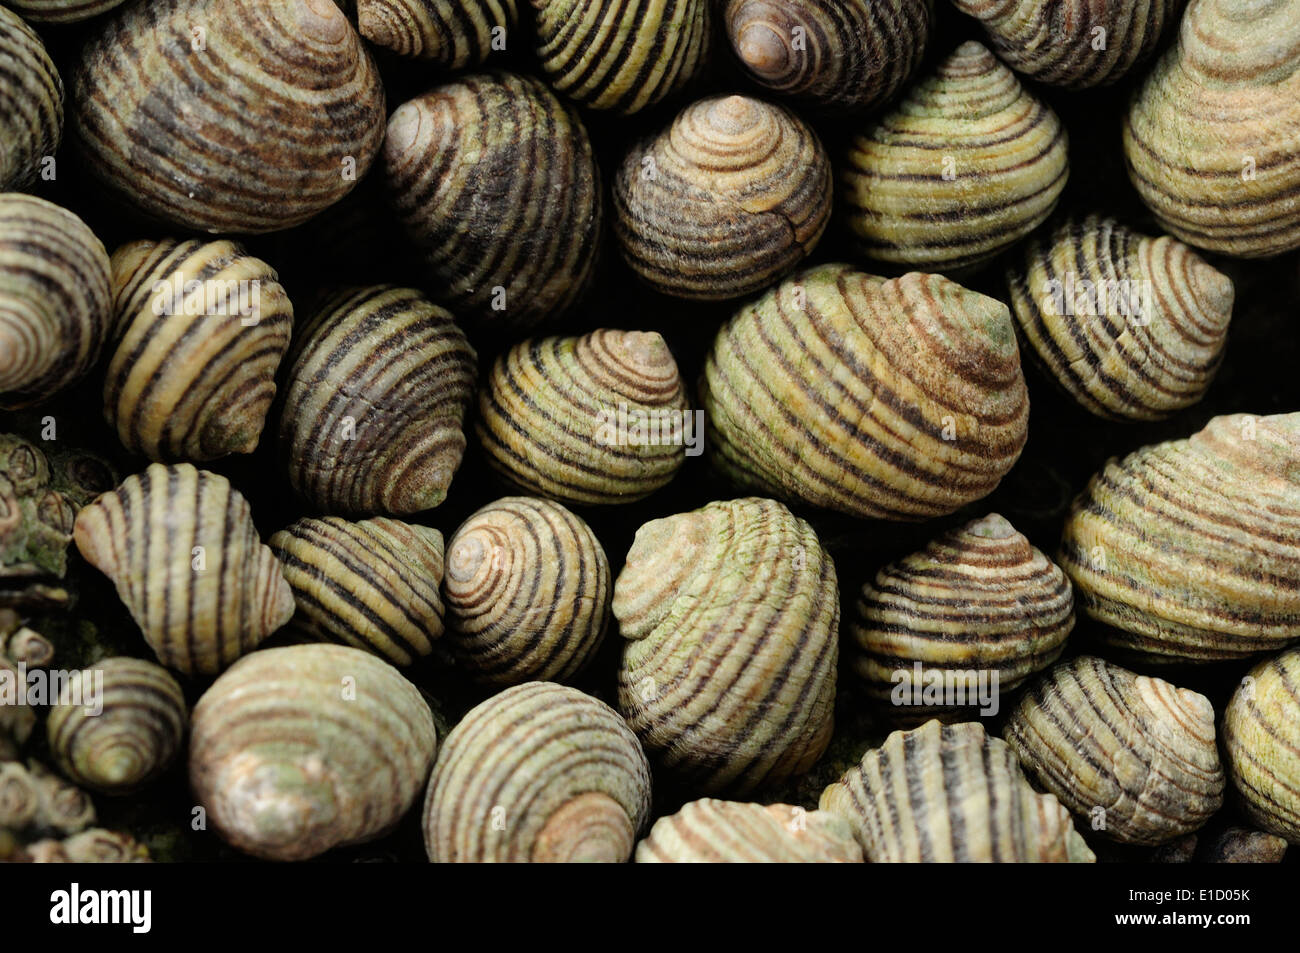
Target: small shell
[(1132, 327), (29, 647), (1189, 550), (979, 599), (62, 11), (558, 416), (539, 773), (47, 851), (19, 797), (373, 584), (494, 180), (181, 547), (951, 793), (55, 299), (17, 717), (1261, 735), (967, 165), (378, 385), (1238, 845), (901, 399), (528, 592), (709, 831), (297, 750), (61, 807), (118, 725), (451, 33), (31, 104), (731, 615), (199, 332), (98, 846)]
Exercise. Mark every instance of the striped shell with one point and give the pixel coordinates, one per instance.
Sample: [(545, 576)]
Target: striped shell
[(55, 299), (1132, 327), (297, 750), (117, 725), (1212, 137), (558, 416), (181, 547), (61, 11), (901, 399), (31, 103), (966, 165), (199, 332), (527, 590), (372, 584), (539, 773), (731, 615), (451, 33), (1131, 755), (378, 385), (951, 793), (228, 115), (494, 181), (709, 831), (621, 55), (731, 196), (1261, 736), (979, 602), (1189, 550)]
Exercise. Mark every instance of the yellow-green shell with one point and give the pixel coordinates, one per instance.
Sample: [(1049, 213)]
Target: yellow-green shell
[(1261, 736)]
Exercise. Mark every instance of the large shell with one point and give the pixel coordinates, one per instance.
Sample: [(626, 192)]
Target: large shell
[(1133, 756), (538, 773), (228, 115), (709, 831), (731, 196), (62, 11), (895, 400), (493, 179), (731, 615), (571, 418), (55, 299), (31, 103), (199, 332), (1261, 735), (1132, 327), (372, 584), (181, 547), (451, 33), (297, 750), (1213, 136), (951, 793), (527, 590), (1190, 549), (966, 165), (378, 386), (978, 603)]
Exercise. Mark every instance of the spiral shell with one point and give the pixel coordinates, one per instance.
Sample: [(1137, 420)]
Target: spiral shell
[(950, 793), (297, 750), (181, 547), (19, 798), (493, 179), (451, 33), (1212, 137), (709, 831), (966, 165), (28, 647), (228, 115), (55, 299), (621, 55), (17, 718), (1261, 735), (378, 385), (1189, 550), (1132, 327), (1132, 754), (731, 615), (372, 584), (98, 846), (539, 773), (117, 726), (731, 196), (527, 590), (901, 399), (61, 11), (31, 103), (60, 807)]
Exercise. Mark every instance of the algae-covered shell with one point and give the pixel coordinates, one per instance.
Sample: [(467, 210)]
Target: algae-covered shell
[(1132, 327), (1133, 756), (297, 750), (901, 399), (965, 166), (31, 104), (539, 773), (1261, 736), (450, 33), (527, 590), (378, 385), (1189, 550), (181, 547), (372, 584), (62, 11), (731, 619), (709, 831), (951, 793)]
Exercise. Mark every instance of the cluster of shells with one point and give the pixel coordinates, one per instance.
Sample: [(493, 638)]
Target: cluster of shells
[(354, 361)]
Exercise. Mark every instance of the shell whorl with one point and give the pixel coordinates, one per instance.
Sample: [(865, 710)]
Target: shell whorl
[(62, 11), (31, 103), (451, 33), (1261, 736), (709, 831)]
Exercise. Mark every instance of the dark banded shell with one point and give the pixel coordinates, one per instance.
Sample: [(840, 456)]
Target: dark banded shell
[(709, 831), (1261, 736), (61, 11), (31, 103), (451, 33)]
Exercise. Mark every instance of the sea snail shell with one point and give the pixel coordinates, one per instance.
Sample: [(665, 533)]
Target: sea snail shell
[(451, 33), (1261, 735), (61, 11), (31, 103), (709, 831)]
